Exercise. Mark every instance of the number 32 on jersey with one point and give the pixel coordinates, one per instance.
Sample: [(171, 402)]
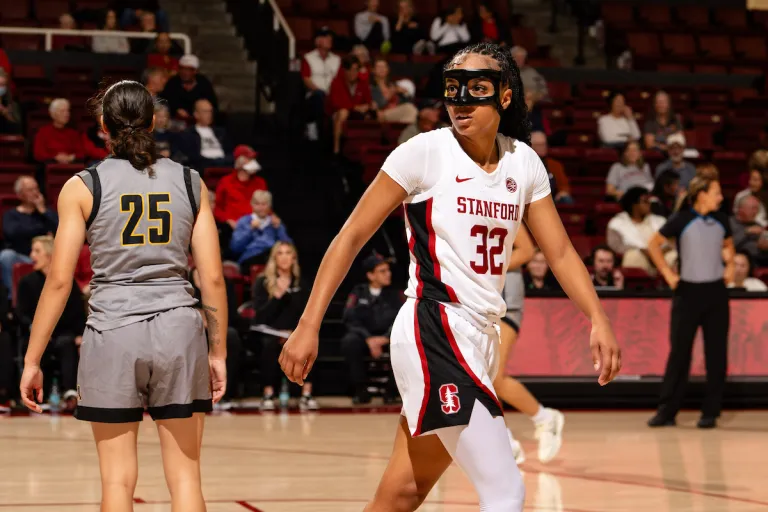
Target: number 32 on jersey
[(134, 206), (490, 248)]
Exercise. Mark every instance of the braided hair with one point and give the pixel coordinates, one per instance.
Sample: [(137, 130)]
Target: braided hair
[(514, 120)]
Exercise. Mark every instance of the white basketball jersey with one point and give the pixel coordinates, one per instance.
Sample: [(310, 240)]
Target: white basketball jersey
[(461, 221)]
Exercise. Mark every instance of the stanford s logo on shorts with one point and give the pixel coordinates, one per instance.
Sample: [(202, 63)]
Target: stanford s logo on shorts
[(449, 396), (511, 185)]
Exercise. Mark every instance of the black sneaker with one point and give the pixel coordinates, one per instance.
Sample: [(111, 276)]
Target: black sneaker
[(361, 398), (707, 422), (661, 421)]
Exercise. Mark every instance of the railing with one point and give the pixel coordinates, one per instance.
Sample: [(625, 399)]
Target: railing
[(278, 22), (50, 32)]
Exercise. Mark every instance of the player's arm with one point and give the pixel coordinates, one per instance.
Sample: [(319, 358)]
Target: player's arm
[(544, 222), (69, 240), (382, 196), (729, 251), (213, 291), (523, 249)]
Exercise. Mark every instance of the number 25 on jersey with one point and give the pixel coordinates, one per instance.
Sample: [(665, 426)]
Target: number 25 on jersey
[(133, 204)]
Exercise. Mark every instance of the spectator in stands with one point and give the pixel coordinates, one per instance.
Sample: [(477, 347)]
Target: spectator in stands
[(131, 12), (409, 37), (371, 27), (95, 144), (629, 231), (666, 193), (539, 123), (539, 276), (391, 100), (164, 54), (7, 353), (630, 172), (164, 137), (487, 27), (759, 162), (110, 44), (10, 112), (428, 120), (55, 142), (605, 274), (257, 232), (30, 219), (618, 126), (368, 317), (188, 86), (755, 188), (748, 235), (155, 80), (532, 79), (364, 59), (558, 181), (675, 148), (449, 31), (70, 43), (234, 192), (279, 297), (661, 122), (68, 334), (148, 25), (349, 99), (205, 145), (742, 274), (318, 69)]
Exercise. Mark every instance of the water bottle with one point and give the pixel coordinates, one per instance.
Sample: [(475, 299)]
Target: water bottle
[(285, 394), (55, 399)]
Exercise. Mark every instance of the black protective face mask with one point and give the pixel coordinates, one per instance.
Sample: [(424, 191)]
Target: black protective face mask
[(463, 96)]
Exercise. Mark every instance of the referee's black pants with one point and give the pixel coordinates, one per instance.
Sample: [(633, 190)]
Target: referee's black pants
[(694, 305)]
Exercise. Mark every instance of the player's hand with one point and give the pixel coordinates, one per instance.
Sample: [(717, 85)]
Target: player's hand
[(299, 353), (32, 387), (672, 280), (218, 372), (606, 354)]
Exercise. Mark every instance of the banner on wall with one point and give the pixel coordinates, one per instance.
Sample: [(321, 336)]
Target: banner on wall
[(554, 338)]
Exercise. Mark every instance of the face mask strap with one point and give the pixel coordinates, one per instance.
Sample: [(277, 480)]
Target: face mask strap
[(463, 76)]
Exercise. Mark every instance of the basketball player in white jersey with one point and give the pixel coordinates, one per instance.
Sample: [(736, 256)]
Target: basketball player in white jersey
[(465, 189), (548, 422)]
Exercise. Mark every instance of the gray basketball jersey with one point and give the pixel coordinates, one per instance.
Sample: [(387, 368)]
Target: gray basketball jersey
[(139, 231)]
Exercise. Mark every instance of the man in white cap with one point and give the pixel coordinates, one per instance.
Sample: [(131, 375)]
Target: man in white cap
[(188, 86), (675, 148)]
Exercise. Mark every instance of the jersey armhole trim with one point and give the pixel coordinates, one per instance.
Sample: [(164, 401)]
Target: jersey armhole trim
[(190, 192), (96, 195)]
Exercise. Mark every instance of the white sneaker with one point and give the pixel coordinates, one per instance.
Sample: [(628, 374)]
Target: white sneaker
[(5, 407), (267, 404), (308, 403), (517, 448), (222, 406), (550, 435)]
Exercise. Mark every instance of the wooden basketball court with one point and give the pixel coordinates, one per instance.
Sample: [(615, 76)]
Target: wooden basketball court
[(329, 462)]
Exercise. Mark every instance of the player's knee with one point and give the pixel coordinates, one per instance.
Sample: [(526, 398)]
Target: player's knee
[(120, 479), (406, 498)]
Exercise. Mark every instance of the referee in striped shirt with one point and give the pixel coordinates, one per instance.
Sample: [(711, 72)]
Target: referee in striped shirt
[(705, 252)]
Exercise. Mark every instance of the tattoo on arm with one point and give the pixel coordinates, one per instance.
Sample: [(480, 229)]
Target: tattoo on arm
[(213, 327), (209, 308)]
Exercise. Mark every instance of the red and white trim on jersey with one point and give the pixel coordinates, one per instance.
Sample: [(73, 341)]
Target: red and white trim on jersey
[(424, 366)]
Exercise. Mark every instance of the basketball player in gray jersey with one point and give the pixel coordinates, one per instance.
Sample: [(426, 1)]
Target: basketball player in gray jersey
[(548, 422), (144, 344)]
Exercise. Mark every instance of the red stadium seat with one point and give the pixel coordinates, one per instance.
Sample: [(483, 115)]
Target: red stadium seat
[(750, 47), (12, 148), (15, 10), (580, 139), (56, 175), (525, 37), (672, 67), (693, 16), (350, 7), (51, 9), (656, 16), (560, 91), (212, 175), (644, 44), (732, 17), (618, 14), (256, 271), (16, 168), (316, 7), (762, 274), (574, 222), (338, 27), (716, 46), (638, 279), (22, 42), (302, 29), (679, 45), (7, 182)]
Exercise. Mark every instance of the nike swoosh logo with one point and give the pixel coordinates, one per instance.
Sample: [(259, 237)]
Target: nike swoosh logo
[(462, 180)]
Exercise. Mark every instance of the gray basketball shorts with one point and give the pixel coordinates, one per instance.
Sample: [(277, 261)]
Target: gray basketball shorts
[(160, 363), (513, 318)]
